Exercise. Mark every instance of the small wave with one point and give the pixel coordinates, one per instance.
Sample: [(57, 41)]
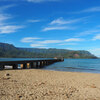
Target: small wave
[(81, 68)]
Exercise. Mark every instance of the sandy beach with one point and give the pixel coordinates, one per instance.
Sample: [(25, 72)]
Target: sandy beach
[(33, 84)]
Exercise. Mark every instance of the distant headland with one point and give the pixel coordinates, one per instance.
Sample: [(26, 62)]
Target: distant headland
[(10, 51)]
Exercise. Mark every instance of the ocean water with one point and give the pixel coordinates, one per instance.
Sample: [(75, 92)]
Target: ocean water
[(20, 59), (76, 65)]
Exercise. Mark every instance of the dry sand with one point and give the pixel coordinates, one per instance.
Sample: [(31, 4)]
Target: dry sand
[(48, 85)]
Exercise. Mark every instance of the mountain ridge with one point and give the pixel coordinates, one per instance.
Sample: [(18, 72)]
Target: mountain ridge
[(9, 50)]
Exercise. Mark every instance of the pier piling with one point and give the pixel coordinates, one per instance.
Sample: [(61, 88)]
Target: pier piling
[(31, 65), (15, 66), (24, 66)]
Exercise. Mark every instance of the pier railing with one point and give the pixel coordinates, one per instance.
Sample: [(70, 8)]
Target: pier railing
[(24, 64)]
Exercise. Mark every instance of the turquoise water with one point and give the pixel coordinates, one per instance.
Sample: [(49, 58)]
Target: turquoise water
[(22, 59), (76, 65)]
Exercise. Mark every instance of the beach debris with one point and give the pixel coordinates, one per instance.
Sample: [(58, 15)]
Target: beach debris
[(7, 74), (35, 97), (92, 86), (20, 96), (70, 93), (14, 80), (2, 92), (6, 78), (31, 94), (41, 83), (50, 92)]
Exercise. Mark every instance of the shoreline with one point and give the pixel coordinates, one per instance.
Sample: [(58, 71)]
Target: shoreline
[(37, 84), (91, 72), (73, 71)]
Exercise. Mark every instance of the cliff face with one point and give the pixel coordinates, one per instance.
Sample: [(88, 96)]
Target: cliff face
[(8, 50)]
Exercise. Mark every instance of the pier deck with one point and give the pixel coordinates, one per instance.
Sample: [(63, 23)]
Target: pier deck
[(27, 63)]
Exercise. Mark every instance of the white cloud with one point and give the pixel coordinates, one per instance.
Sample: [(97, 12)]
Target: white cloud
[(42, 44), (37, 45), (61, 21), (4, 17), (57, 28), (97, 37), (5, 26), (88, 32), (68, 44), (9, 29), (29, 39), (33, 21), (60, 24), (39, 1), (50, 41), (93, 9), (58, 21), (45, 42), (33, 1), (74, 40), (3, 8)]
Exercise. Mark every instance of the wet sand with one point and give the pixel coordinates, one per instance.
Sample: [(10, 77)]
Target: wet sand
[(48, 85)]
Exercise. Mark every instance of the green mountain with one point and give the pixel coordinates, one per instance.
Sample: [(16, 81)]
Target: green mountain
[(10, 51)]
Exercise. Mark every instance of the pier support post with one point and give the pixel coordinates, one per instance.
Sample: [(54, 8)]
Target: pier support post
[(15, 66), (37, 65), (41, 64), (25, 66), (2, 67), (62, 59), (44, 63), (32, 64), (28, 65), (47, 62)]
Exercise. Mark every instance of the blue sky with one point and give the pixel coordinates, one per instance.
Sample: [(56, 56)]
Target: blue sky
[(62, 24)]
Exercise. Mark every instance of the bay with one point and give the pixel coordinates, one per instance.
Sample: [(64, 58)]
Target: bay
[(76, 65)]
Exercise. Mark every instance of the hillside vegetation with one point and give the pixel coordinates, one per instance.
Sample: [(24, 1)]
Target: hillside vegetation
[(10, 51)]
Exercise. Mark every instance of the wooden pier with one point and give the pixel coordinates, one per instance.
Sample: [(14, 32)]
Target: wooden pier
[(24, 64)]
